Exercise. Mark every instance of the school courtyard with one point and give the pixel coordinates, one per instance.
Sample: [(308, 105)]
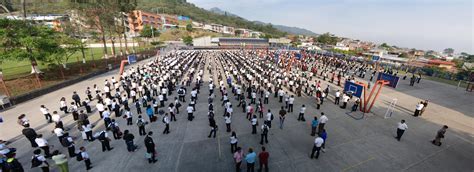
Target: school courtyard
[(354, 143)]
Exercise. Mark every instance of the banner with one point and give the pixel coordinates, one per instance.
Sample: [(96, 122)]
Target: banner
[(132, 59)]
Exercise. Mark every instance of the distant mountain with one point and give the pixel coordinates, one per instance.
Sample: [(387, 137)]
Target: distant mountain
[(291, 30), (283, 28), (295, 30), (221, 12)]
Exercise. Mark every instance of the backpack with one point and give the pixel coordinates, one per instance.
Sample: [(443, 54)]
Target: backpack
[(140, 123), (79, 157), (180, 91), (271, 116), (65, 142), (113, 127), (265, 129), (35, 162), (102, 136)]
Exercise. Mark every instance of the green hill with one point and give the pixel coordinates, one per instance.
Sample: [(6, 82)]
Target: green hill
[(178, 7), (181, 7)]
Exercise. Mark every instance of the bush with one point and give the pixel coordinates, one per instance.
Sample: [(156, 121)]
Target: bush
[(155, 43)]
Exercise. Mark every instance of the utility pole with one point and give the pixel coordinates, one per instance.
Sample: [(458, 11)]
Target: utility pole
[(23, 3)]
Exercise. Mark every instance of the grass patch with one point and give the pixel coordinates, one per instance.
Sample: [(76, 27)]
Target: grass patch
[(15, 69)]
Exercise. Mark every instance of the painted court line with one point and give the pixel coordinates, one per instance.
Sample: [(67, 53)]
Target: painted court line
[(358, 164), (426, 158)]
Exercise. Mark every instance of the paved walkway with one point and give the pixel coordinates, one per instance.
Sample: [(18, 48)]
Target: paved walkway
[(352, 145)]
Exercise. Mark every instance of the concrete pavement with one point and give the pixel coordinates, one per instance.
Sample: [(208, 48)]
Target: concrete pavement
[(352, 145)]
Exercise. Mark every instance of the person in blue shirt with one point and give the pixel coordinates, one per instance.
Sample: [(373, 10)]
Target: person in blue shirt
[(250, 159), (149, 112), (314, 125), (323, 135)]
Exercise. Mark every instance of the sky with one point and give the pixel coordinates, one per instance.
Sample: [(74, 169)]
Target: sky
[(421, 24)]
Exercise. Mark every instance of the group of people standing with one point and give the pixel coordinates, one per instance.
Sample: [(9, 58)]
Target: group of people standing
[(161, 87)]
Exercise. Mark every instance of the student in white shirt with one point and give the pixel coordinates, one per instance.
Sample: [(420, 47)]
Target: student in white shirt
[(345, 99), (59, 133), (254, 123), (318, 142), (301, 116), (265, 100), (85, 157), (228, 121), (63, 105), (402, 126), (233, 142), (129, 116), (42, 162), (87, 129), (322, 122), (46, 114), (190, 110), (100, 107), (43, 144), (418, 109), (291, 100), (337, 97), (166, 120)]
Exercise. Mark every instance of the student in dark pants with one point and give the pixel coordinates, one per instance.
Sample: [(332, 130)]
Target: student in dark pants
[(30, 134), (85, 156), (139, 109), (141, 125), (263, 160), (166, 120), (213, 127), (318, 142), (105, 141), (402, 126), (250, 159), (254, 123), (264, 134), (128, 137), (150, 148)]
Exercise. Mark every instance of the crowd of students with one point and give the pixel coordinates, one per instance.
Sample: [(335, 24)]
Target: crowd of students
[(174, 82)]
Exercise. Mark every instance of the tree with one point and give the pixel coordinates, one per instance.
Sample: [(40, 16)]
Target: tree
[(385, 46), (404, 55), (68, 47), (189, 27), (126, 6), (470, 59), (7, 4), (188, 40), (459, 63), (238, 32), (73, 31), (100, 15), (266, 36), (21, 41), (448, 51), (327, 39), (149, 32)]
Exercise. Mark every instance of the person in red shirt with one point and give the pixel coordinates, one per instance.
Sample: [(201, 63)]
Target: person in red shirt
[(263, 159)]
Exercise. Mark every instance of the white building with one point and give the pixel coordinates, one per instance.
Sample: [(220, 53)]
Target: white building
[(255, 34), (52, 21), (228, 30), (205, 41), (342, 45)]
